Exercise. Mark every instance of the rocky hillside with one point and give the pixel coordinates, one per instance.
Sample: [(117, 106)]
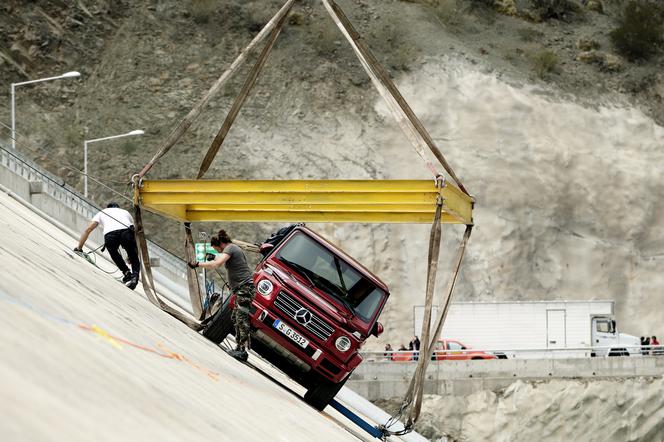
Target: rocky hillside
[(556, 132), (558, 409)]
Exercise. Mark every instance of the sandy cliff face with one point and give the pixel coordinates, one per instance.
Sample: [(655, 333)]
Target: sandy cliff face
[(568, 197)]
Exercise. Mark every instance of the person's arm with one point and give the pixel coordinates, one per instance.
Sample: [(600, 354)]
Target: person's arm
[(211, 265), (84, 236)]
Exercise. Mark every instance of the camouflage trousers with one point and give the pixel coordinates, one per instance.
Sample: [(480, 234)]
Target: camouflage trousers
[(240, 315)]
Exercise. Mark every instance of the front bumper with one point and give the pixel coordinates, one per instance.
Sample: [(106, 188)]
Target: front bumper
[(313, 355)]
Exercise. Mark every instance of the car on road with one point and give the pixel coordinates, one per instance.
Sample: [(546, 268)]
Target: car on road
[(451, 350), (445, 350)]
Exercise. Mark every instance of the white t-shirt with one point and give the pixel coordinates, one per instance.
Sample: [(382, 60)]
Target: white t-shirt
[(113, 218)]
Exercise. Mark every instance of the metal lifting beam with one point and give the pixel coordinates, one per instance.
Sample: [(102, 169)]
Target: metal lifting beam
[(370, 201)]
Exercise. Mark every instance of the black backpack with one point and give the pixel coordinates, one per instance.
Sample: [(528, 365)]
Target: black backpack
[(275, 239)]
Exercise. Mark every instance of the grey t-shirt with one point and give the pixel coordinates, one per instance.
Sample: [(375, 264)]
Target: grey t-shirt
[(236, 267)]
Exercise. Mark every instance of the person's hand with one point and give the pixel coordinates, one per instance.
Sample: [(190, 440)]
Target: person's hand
[(78, 249), (210, 256), (193, 264)]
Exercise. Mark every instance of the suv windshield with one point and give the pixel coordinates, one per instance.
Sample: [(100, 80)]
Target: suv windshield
[(331, 274)]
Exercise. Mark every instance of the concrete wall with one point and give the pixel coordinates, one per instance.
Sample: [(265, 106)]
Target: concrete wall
[(383, 380)]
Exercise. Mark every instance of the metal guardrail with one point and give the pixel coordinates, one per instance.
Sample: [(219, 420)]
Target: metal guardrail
[(55, 187), (524, 353)]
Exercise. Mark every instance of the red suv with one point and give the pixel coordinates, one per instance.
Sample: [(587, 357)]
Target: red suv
[(314, 308)]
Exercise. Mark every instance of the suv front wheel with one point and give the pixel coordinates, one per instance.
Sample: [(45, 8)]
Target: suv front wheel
[(322, 393)]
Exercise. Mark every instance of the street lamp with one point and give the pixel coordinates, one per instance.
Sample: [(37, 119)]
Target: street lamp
[(66, 75), (85, 154)]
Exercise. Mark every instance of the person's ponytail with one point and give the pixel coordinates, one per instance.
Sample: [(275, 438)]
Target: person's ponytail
[(224, 237)]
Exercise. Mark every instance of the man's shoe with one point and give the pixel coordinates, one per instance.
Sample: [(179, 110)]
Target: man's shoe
[(133, 282), (127, 277), (240, 355)]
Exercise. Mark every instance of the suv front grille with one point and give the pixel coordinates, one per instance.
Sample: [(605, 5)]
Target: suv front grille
[(291, 306)]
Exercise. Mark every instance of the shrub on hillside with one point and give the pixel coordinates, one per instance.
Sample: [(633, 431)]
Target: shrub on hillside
[(558, 9), (640, 32), (451, 11), (544, 62), (202, 10)]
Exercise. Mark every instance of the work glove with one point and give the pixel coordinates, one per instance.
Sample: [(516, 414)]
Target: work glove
[(210, 256), (193, 264)]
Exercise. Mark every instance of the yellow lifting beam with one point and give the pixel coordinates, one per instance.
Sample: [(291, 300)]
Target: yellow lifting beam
[(367, 201)]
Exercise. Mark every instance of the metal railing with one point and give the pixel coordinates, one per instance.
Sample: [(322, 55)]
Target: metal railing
[(56, 188), (522, 353)]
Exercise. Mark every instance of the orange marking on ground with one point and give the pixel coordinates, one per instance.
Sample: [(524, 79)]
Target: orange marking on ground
[(211, 374), (115, 342)]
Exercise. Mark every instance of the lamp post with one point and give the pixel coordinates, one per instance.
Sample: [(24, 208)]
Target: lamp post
[(13, 93), (85, 154)]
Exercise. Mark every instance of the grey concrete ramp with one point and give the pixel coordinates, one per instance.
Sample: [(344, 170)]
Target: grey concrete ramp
[(83, 358)]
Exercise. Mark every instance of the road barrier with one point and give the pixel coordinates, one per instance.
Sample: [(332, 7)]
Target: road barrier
[(523, 353)]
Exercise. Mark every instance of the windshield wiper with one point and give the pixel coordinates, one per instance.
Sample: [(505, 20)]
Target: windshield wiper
[(313, 278), (301, 269), (346, 304), (337, 264), (335, 291)]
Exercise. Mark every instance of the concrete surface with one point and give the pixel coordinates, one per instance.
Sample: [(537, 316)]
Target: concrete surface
[(84, 358), (384, 380)]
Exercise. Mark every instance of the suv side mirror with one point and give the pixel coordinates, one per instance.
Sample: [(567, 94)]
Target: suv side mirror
[(377, 329), (265, 249)]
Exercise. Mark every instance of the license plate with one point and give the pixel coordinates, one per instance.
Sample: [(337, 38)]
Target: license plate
[(292, 334)]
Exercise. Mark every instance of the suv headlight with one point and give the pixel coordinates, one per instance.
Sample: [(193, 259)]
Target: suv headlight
[(265, 287), (342, 343)]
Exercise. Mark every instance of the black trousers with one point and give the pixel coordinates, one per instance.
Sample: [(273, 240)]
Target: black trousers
[(126, 239)]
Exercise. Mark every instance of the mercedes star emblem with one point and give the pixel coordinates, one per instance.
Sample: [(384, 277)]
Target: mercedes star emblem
[(303, 316)]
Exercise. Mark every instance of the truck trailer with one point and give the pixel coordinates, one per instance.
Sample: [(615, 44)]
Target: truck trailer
[(532, 329)]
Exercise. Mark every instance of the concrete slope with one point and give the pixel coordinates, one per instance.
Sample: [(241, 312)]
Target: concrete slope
[(84, 358)]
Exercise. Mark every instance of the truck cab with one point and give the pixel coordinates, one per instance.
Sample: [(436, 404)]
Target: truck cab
[(314, 308), (607, 341)]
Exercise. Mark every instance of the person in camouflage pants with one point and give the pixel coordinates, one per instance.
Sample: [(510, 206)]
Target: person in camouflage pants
[(240, 316), (240, 280)]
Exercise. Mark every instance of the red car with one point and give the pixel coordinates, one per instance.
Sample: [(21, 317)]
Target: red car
[(457, 351)]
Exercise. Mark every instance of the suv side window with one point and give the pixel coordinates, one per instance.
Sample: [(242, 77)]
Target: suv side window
[(368, 306)]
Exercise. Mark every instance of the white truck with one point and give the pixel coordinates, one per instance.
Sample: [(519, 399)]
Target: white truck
[(531, 329)]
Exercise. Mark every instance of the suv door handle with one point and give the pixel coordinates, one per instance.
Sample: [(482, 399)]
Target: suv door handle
[(552, 342)]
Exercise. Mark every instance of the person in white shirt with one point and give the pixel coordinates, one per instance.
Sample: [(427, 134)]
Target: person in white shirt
[(118, 226)]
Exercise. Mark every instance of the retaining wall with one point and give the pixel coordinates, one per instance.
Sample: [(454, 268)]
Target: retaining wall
[(384, 380)]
